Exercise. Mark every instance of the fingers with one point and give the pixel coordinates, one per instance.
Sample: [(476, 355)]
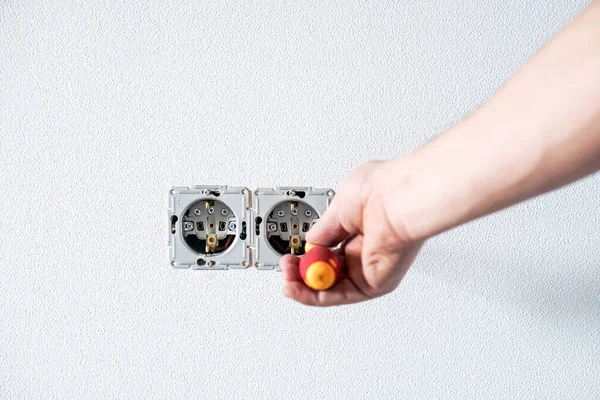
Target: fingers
[(328, 231), (290, 271), (343, 292)]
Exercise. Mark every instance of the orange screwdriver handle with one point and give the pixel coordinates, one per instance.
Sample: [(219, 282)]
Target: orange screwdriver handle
[(319, 267)]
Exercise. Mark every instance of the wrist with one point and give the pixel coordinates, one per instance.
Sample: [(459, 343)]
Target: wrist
[(462, 175), (418, 198)]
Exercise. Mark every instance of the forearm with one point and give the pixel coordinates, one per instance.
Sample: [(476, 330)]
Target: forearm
[(539, 132)]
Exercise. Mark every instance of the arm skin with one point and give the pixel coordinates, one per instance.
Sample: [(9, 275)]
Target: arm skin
[(539, 132)]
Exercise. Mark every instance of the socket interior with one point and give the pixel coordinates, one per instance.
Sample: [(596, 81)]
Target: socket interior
[(268, 203), (287, 224), (209, 227)]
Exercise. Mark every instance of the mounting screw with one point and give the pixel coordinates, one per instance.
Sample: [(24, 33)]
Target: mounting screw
[(211, 210), (308, 213), (271, 227), (280, 213), (232, 226), (329, 193), (206, 192), (209, 263), (188, 226), (224, 212), (295, 211), (197, 211)]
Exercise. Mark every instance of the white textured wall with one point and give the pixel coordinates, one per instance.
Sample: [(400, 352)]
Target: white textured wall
[(104, 107)]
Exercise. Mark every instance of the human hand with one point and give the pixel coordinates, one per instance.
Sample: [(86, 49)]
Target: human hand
[(376, 250), (528, 139)]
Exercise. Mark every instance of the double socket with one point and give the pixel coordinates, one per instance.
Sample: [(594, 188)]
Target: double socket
[(223, 227)]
